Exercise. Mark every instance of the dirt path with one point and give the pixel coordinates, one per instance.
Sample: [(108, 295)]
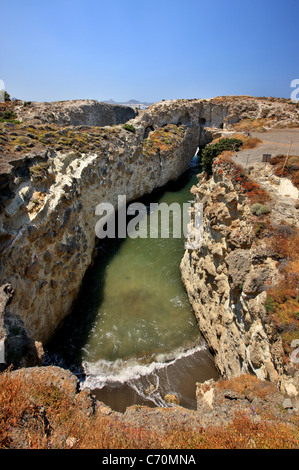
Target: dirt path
[(284, 204), (274, 142)]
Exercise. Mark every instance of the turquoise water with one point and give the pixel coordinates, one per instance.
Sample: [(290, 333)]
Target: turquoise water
[(133, 329), (145, 310)]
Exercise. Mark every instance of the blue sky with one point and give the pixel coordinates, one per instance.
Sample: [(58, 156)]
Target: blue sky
[(166, 49)]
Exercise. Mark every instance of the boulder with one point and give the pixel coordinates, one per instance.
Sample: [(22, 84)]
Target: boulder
[(18, 348)]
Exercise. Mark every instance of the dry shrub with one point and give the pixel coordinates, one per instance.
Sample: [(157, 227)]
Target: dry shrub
[(108, 433), (285, 242), (241, 433), (247, 384), (39, 416), (254, 192), (248, 141), (226, 156), (287, 167), (282, 302)]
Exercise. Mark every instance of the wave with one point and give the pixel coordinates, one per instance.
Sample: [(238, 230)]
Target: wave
[(102, 372)]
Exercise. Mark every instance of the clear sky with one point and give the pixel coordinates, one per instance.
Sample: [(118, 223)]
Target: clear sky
[(148, 50)]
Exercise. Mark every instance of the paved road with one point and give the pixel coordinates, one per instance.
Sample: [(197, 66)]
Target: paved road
[(274, 142)]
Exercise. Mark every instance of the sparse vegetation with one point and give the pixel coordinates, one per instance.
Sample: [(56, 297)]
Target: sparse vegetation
[(259, 209), (129, 127), (40, 415), (287, 166), (38, 136), (163, 139), (255, 193), (8, 116), (282, 302)]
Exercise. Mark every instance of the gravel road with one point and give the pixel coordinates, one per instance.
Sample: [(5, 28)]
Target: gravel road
[(274, 142)]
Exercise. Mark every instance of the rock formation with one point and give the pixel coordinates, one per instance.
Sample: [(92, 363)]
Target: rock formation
[(50, 189), (48, 217), (18, 347), (74, 113), (227, 280), (52, 178)]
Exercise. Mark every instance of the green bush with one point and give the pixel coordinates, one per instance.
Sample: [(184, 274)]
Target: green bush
[(212, 151), (129, 127), (6, 96), (8, 116), (259, 209)]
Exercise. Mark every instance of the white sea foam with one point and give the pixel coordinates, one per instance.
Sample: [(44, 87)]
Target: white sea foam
[(103, 372)]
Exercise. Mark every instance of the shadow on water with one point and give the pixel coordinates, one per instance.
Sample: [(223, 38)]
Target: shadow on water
[(66, 347)]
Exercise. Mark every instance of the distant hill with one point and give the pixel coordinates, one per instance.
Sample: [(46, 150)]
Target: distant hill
[(128, 103)]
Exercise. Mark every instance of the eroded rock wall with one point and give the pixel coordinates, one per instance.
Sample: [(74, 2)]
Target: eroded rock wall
[(226, 281), (47, 222), (75, 113), (48, 225)]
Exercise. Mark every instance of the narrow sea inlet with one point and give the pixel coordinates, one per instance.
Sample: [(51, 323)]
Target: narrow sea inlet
[(133, 331)]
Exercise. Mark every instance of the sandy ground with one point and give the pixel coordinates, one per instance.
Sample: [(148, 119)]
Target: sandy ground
[(274, 142), (286, 188)]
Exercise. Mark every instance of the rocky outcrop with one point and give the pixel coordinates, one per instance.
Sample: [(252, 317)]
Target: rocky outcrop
[(225, 111), (271, 112), (19, 349), (226, 280), (49, 194), (45, 404), (48, 219), (218, 402), (74, 113)]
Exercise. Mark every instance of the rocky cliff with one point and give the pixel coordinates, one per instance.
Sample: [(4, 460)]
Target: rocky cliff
[(74, 113), (54, 169), (48, 211), (54, 174), (227, 278)]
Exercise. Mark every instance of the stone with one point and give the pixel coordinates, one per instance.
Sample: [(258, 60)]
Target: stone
[(238, 263), (257, 280), (31, 271), (287, 404), (20, 350), (171, 398)]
